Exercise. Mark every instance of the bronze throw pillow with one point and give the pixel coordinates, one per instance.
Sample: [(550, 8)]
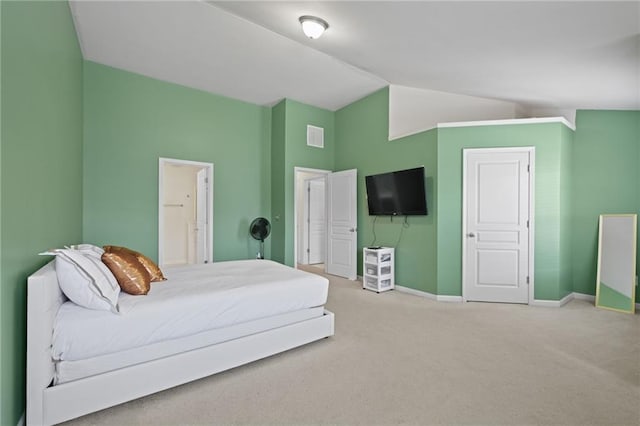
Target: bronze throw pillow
[(132, 277), (154, 271)]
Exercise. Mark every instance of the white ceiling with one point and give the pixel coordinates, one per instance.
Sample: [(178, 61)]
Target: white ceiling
[(576, 55)]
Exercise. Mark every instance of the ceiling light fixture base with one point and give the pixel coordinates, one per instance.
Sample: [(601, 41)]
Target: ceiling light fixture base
[(312, 26)]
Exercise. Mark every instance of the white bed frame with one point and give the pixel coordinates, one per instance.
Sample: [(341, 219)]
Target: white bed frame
[(47, 404)]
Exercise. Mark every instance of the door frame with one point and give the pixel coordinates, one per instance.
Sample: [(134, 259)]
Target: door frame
[(296, 190), (532, 156), (162, 162)]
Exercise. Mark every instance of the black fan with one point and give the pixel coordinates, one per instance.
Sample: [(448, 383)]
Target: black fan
[(260, 229)]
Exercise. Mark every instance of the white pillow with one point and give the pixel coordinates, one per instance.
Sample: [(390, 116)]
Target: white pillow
[(89, 249), (86, 249), (86, 281)]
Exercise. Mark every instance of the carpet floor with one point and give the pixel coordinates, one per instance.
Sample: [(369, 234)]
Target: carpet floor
[(401, 359)]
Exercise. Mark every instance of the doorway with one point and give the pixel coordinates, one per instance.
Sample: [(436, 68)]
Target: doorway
[(314, 222), (185, 212), (310, 225), (340, 220), (497, 225)]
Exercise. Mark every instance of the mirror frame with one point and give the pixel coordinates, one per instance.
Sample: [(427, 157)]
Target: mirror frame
[(632, 273)]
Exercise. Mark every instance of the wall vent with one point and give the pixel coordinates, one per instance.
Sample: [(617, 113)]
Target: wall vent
[(315, 136)]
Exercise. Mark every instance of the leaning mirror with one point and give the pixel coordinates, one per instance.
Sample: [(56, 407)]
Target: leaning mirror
[(616, 286)]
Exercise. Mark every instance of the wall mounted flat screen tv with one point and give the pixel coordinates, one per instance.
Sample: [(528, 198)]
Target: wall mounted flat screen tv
[(399, 193)]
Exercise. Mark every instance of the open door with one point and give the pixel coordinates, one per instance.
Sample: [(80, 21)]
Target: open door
[(342, 235), (202, 193), (316, 221)]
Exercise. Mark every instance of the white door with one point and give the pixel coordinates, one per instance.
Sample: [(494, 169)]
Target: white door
[(497, 189), (316, 220), (342, 230), (201, 216)]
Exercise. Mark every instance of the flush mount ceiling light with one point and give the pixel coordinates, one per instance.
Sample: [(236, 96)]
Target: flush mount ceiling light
[(312, 26)]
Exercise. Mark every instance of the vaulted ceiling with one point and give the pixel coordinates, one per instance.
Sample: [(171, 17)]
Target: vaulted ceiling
[(575, 55)]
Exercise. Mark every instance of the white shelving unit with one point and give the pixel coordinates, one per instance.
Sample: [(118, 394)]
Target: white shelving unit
[(378, 269)]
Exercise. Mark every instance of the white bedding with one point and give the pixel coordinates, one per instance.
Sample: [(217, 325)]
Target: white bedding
[(193, 299)]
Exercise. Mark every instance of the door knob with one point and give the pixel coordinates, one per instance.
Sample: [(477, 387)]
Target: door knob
[(471, 235), (352, 230)]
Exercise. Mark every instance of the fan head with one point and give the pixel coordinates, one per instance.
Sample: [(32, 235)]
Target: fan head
[(260, 228)]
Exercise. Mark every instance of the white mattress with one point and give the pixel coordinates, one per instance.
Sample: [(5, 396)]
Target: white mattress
[(194, 299), (66, 371)]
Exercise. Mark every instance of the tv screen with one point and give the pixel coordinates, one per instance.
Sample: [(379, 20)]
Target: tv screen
[(399, 193)]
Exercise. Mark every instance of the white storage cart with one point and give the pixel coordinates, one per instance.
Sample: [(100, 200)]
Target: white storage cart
[(378, 268)]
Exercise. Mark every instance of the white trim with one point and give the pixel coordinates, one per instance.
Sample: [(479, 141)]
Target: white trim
[(532, 223), (538, 120), (463, 215), (306, 189), (162, 161), (582, 296), (531, 150), (21, 420), (537, 302), (320, 173), (448, 299), (430, 296), (553, 303), (414, 292)]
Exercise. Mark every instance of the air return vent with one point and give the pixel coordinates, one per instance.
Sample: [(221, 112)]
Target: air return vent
[(315, 136)]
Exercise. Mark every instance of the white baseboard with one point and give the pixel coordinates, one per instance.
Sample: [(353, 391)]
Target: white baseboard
[(427, 295), (553, 303), (582, 296), (415, 292), (569, 297), (21, 421), (537, 302), (444, 298)]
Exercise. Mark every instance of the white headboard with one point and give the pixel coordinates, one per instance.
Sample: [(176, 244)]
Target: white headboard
[(44, 297)]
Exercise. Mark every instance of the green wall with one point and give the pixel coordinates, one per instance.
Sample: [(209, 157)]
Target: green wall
[(362, 143), (290, 150), (2, 345), (565, 283), (41, 166), (606, 179), (277, 218), (552, 145), (130, 121)]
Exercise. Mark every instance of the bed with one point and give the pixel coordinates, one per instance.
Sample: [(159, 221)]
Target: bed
[(203, 320)]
